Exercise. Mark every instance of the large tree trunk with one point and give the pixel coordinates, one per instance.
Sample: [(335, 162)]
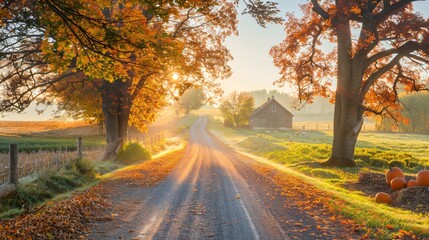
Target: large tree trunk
[(348, 113), (116, 109)]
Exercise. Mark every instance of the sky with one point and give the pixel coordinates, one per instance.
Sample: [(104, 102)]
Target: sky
[(252, 66)]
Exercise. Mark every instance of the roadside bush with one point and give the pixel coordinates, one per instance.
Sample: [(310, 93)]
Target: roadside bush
[(133, 153), (85, 167)]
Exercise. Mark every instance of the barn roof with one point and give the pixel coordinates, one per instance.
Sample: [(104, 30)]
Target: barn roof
[(270, 100)]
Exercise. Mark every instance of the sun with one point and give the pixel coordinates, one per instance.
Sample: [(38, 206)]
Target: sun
[(175, 76)]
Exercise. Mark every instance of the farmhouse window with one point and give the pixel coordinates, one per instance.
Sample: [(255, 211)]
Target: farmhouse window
[(273, 108)]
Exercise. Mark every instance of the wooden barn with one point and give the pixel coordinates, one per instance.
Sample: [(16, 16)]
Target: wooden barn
[(271, 115)]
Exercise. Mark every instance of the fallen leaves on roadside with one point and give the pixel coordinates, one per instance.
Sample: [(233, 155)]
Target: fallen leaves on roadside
[(322, 221), (72, 218), (67, 219), (148, 173)]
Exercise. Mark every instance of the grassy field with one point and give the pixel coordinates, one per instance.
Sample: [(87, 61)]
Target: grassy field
[(298, 152), (35, 143)]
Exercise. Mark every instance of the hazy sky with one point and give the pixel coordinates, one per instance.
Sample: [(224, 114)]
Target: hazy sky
[(252, 66)]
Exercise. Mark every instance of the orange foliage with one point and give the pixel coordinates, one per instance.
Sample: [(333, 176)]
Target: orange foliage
[(387, 55)]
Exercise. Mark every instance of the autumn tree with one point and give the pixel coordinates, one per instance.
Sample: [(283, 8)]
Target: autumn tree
[(236, 108), (126, 49), (379, 45), (192, 99)]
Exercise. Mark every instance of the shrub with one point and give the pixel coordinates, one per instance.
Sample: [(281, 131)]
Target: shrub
[(133, 153), (85, 167)]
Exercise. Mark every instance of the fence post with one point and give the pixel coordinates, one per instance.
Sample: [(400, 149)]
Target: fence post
[(79, 147), (13, 155)]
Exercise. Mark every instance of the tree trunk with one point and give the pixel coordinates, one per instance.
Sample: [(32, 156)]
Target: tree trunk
[(116, 104), (347, 113)]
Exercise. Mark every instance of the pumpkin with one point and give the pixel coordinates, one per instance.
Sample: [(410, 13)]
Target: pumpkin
[(423, 178), (394, 172), (398, 183), (411, 183), (382, 197)]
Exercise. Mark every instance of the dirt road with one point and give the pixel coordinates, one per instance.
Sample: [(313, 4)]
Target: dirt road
[(213, 193)]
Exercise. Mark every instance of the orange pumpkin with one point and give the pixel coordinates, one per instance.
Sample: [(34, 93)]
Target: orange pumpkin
[(394, 172), (411, 183), (398, 183), (423, 178), (382, 197)]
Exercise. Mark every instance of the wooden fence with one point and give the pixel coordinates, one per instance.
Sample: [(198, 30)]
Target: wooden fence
[(146, 139), (326, 126)]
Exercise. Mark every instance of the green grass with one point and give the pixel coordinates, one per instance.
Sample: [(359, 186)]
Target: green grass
[(33, 144), (298, 154)]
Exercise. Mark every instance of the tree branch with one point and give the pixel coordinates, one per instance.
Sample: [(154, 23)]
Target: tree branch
[(389, 9), (319, 10)]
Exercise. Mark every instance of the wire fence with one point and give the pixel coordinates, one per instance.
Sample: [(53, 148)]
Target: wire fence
[(34, 164)]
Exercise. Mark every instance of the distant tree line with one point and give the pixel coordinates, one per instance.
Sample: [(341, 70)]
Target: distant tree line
[(415, 111)]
